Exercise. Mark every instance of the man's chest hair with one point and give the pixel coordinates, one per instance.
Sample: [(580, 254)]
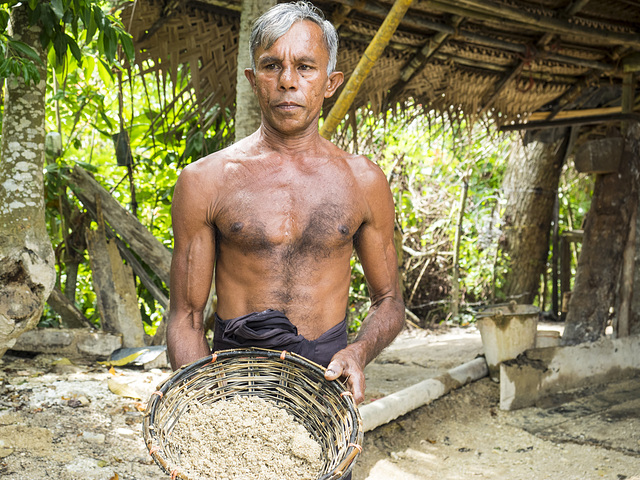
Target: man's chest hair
[(307, 225)]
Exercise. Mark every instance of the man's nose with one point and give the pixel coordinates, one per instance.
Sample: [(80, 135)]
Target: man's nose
[(288, 79)]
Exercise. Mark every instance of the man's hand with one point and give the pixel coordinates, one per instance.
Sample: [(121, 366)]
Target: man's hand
[(349, 367)]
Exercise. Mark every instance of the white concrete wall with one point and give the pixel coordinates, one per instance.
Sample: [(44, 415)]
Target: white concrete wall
[(541, 372)]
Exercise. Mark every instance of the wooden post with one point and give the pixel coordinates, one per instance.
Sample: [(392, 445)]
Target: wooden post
[(555, 256), (114, 287), (70, 315), (455, 282), (622, 323), (357, 78), (565, 272)]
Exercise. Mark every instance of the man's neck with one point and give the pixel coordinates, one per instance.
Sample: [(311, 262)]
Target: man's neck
[(290, 145)]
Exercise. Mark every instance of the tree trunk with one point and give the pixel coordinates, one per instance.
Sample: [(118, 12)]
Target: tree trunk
[(530, 186), (27, 271), (247, 118), (606, 233)]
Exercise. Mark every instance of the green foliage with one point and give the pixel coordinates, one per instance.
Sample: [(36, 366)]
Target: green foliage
[(67, 28), (427, 158), (83, 104)]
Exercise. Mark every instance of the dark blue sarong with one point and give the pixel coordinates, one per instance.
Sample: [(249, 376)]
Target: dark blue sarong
[(272, 329)]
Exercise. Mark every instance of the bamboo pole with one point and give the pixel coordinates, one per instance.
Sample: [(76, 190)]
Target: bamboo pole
[(371, 54)]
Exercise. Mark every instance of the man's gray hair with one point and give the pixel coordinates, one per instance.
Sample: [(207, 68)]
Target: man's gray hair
[(278, 20)]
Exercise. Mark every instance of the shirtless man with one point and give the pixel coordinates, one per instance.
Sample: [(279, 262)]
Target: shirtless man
[(279, 213)]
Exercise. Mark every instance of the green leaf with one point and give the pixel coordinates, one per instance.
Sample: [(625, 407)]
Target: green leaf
[(110, 43), (4, 67), (99, 17), (75, 50), (25, 50), (58, 8), (127, 46), (60, 46), (89, 67), (91, 26), (105, 73), (4, 20)]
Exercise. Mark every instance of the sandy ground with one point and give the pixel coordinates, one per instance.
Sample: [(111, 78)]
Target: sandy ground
[(61, 421)]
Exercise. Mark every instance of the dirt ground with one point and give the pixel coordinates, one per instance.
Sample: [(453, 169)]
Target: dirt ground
[(61, 421)]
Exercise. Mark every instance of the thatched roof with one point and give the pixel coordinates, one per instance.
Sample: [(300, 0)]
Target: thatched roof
[(510, 56)]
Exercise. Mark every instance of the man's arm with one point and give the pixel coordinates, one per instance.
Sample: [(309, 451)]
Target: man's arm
[(191, 268), (377, 254)]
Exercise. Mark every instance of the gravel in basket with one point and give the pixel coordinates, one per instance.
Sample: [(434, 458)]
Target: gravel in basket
[(325, 408)]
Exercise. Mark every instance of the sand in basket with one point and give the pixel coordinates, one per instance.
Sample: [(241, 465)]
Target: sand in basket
[(245, 437)]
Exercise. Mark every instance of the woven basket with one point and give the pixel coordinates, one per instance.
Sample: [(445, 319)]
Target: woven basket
[(290, 381)]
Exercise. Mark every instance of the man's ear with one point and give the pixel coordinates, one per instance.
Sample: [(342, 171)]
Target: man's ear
[(251, 76), (335, 80)]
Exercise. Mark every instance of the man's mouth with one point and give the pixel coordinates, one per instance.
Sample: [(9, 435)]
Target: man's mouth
[(287, 106)]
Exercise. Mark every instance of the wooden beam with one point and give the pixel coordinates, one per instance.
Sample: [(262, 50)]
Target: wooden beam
[(587, 112), (422, 23), (575, 91), (550, 24), (420, 59), (142, 274), (631, 63), (635, 117), (571, 10), (371, 54), (469, 62), (432, 45)]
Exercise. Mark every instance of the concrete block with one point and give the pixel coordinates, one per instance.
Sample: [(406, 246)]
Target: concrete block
[(46, 340), (98, 343), (71, 343), (541, 372)]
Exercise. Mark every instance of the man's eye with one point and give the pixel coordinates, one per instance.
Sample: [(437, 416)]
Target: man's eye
[(306, 67)]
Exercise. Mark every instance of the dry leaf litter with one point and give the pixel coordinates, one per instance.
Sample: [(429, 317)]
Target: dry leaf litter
[(245, 437)]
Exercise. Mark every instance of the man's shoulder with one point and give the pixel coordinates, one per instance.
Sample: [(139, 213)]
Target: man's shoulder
[(366, 171), (215, 164)]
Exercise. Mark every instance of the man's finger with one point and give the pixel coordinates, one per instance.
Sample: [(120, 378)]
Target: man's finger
[(333, 371)]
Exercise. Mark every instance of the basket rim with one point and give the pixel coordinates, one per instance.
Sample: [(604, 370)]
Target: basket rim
[(357, 434)]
